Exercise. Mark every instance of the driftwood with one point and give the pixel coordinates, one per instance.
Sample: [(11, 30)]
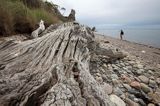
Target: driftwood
[(53, 70), (39, 30)]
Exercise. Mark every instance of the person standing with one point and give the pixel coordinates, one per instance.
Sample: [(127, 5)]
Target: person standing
[(121, 34)]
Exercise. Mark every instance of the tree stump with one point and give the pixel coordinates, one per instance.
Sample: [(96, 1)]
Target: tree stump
[(53, 69)]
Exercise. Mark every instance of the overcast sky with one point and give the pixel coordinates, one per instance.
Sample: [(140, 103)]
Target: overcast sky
[(114, 12)]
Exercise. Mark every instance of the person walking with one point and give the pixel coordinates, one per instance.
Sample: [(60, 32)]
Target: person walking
[(121, 34)]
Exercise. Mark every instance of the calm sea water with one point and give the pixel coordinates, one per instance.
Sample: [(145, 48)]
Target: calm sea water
[(143, 36)]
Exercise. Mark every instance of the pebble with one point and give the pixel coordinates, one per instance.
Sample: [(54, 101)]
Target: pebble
[(107, 88), (150, 72), (114, 76), (117, 91), (151, 104), (139, 66), (98, 74), (137, 79), (128, 87), (155, 97), (158, 81), (158, 90), (152, 84), (145, 88), (130, 102), (115, 81), (118, 101), (132, 91), (140, 71), (99, 79), (126, 79), (135, 84), (136, 100), (129, 67), (141, 102), (144, 79), (151, 77), (131, 96)]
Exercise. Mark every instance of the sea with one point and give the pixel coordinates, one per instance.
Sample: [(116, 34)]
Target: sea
[(149, 37)]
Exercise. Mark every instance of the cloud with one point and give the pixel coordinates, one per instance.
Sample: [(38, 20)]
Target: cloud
[(98, 12)]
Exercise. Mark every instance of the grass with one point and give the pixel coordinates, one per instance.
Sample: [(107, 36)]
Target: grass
[(15, 17)]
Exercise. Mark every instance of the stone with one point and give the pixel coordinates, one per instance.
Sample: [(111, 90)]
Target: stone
[(98, 74), (117, 91), (152, 78), (126, 79), (150, 72), (131, 96), (135, 84), (93, 102), (153, 84), (145, 88), (104, 76), (141, 102), (118, 101), (122, 64), (155, 97), (114, 76), (158, 90), (107, 88), (135, 92), (128, 67), (129, 102), (144, 79), (137, 79), (128, 87), (128, 71), (151, 104), (145, 96), (99, 79), (115, 82), (139, 66), (140, 71), (158, 81), (136, 100)]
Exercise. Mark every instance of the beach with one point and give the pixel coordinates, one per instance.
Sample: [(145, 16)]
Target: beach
[(125, 73), (148, 55)]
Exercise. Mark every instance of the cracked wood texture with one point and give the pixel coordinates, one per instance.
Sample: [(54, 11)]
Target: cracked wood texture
[(52, 70)]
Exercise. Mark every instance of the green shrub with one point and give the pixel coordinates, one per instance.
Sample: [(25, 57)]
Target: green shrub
[(15, 17)]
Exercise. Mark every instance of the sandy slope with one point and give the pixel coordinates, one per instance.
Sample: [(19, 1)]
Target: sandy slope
[(149, 56)]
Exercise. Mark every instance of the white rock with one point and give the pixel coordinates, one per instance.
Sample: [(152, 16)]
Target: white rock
[(107, 88), (143, 51), (118, 101)]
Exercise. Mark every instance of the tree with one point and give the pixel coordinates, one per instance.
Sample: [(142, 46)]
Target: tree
[(54, 69)]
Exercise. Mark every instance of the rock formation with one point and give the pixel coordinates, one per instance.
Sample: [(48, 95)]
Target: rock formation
[(71, 16), (55, 69)]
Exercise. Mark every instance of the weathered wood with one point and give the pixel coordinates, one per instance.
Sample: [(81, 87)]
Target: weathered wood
[(39, 30), (53, 69)]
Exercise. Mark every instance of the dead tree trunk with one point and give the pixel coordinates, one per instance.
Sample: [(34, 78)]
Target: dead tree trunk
[(52, 70)]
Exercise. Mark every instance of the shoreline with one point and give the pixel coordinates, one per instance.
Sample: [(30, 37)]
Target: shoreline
[(150, 46), (148, 55)]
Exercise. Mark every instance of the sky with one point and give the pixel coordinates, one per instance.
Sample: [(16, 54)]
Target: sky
[(114, 13)]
